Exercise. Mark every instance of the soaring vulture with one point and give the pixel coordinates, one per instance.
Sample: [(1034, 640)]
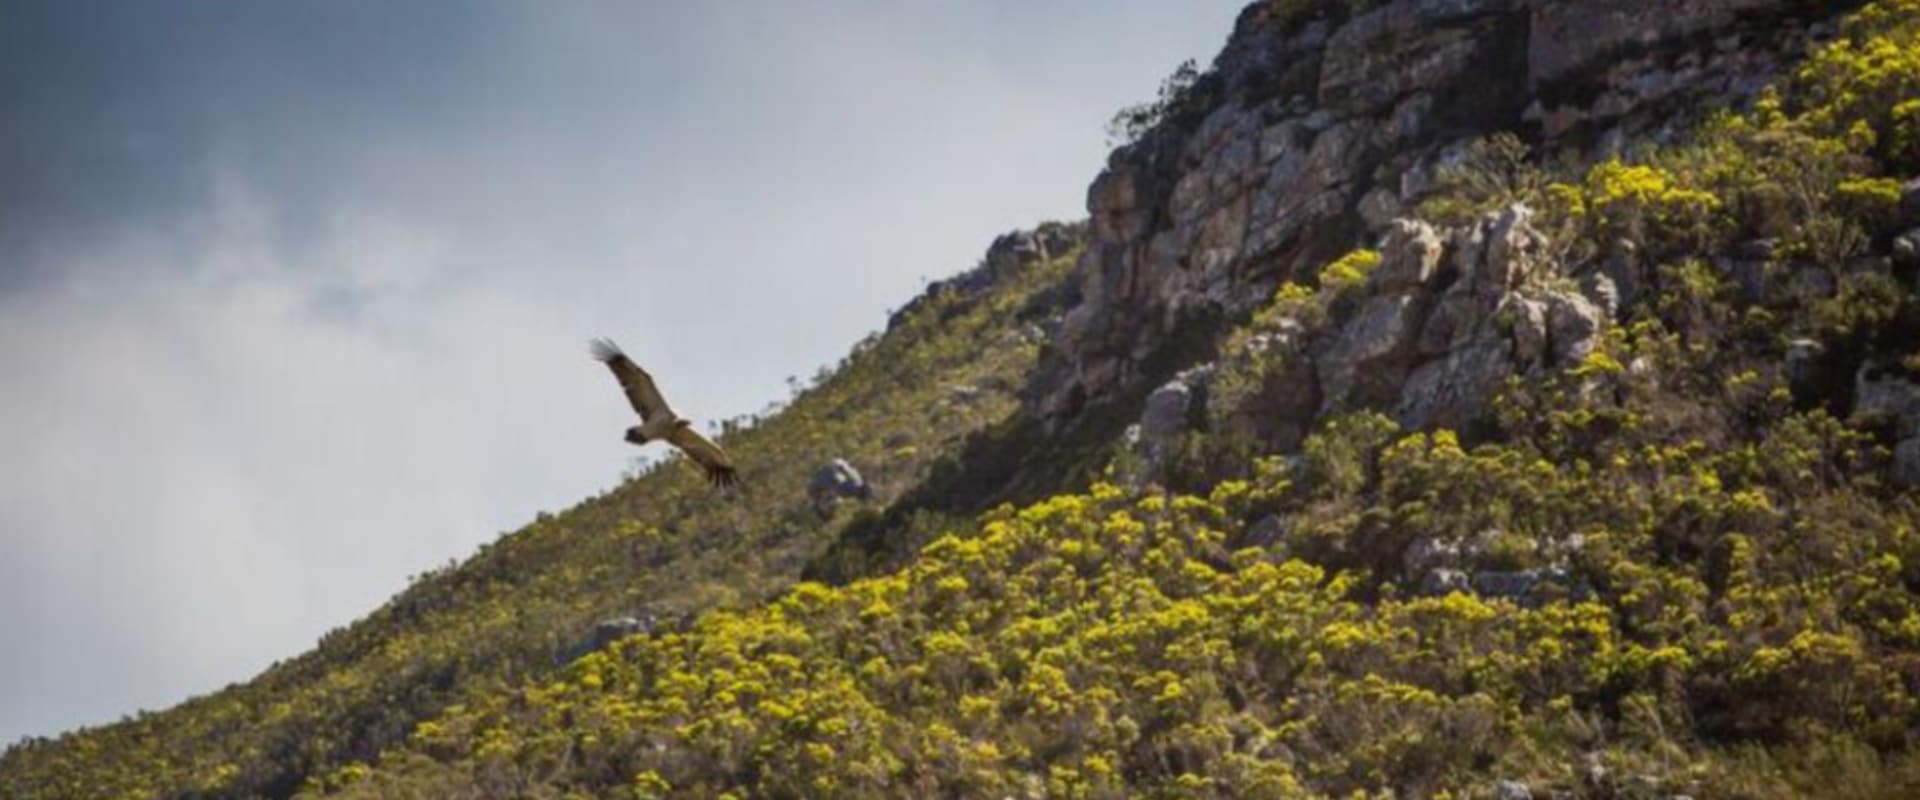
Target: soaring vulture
[(657, 421)]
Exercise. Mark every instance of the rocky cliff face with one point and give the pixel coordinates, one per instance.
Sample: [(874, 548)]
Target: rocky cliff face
[(1316, 129)]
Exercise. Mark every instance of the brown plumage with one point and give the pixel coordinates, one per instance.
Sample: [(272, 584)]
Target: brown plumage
[(657, 421)]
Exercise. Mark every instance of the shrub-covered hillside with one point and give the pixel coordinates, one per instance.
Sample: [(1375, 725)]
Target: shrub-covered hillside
[(1672, 554), (662, 545), (1589, 474)]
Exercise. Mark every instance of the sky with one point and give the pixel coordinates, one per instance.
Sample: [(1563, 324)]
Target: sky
[(294, 297)]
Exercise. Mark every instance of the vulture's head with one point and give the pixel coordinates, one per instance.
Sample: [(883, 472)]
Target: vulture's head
[(634, 435)]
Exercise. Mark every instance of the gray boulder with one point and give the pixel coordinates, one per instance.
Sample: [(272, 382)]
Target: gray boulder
[(1168, 412), (1906, 249), (1172, 408), (1530, 331), (1883, 392), (1573, 323), (1015, 251), (836, 481), (1452, 392), (1409, 257), (1515, 250), (1012, 251), (1803, 367), (608, 631), (1511, 790)]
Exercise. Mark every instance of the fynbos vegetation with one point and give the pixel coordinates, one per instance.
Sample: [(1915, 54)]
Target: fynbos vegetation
[(1674, 549)]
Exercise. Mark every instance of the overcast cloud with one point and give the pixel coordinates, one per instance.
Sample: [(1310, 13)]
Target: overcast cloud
[(294, 298)]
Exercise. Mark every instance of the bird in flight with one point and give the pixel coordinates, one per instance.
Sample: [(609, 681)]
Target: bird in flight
[(657, 421)]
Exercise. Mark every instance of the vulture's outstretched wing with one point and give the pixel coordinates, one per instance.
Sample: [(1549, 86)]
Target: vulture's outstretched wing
[(641, 392), (709, 455)]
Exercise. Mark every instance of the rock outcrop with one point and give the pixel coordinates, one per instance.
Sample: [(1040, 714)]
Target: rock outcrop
[(1315, 129), (608, 631), (1447, 317), (1886, 395), (1175, 408), (1511, 790), (836, 481), (1009, 254)]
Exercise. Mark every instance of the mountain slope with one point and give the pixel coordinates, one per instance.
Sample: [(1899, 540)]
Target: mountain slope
[(1510, 422), (662, 544), (1651, 533)]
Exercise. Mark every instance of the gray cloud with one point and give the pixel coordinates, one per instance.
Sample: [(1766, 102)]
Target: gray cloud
[(293, 297)]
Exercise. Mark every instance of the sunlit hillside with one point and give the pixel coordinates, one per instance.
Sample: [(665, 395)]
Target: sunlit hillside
[(663, 545), (1664, 569), (1591, 473)]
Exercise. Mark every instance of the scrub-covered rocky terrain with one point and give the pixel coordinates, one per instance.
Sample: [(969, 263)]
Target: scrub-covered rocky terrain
[(1468, 398)]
